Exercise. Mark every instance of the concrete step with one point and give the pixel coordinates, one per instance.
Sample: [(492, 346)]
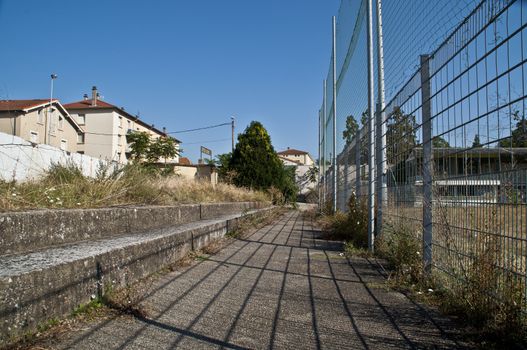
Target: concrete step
[(29, 231), (51, 282)]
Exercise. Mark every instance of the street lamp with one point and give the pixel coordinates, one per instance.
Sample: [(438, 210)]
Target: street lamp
[(50, 110)]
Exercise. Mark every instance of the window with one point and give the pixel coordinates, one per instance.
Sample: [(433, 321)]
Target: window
[(61, 122), (120, 122), (81, 119), (80, 138), (119, 139), (40, 116), (64, 145), (33, 136), (129, 125)]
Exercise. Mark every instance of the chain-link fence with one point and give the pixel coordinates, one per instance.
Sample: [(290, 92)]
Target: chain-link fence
[(451, 138)]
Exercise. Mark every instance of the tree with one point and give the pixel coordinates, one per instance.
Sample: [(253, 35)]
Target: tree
[(400, 136), (225, 173), (351, 129), (139, 145), (162, 147), (257, 165), (518, 136), (351, 132), (439, 142), (476, 142), (143, 148), (312, 174)]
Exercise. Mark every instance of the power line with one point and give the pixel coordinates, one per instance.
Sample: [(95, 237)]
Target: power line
[(210, 141), (196, 129)]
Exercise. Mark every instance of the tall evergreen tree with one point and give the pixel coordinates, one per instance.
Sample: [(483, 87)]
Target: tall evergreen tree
[(256, 164)]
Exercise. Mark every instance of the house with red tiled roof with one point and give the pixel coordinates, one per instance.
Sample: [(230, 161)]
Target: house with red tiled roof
[(297, 156), (41, 121), (106, 126)]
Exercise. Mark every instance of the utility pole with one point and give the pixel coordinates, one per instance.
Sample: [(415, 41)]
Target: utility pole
[(335, 166), (382, 190), (232, 133), (371, 132), (47, 131)]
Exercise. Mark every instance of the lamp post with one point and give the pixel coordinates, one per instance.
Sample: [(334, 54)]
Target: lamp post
[(50, 110)]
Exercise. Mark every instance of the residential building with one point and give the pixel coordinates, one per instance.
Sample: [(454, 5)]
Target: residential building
[(41, 121), (106, 126), (302, 162), (297, 156)]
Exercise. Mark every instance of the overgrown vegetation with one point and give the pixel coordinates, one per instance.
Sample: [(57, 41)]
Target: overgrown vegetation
[(64, 186), (351, 227), (479, 289)]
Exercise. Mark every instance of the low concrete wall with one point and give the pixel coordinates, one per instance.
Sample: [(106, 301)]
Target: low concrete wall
[(28, 299), (32, 230), (20, 160)]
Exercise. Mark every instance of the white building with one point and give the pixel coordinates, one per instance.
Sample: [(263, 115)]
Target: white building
[(303, 162), (297, 156), (106, 126)]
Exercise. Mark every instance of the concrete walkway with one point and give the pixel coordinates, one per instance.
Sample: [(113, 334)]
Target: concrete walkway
[(282, 287)]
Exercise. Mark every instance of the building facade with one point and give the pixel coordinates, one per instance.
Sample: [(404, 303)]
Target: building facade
[(297, 156), (41, 122), (106, 127)]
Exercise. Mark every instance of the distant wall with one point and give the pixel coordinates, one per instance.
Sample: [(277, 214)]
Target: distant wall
[(202, 172), (20, 160)]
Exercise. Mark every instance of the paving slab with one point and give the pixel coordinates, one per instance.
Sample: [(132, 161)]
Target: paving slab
[(283, 287)]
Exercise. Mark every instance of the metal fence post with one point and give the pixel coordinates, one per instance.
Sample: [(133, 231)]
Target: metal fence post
[(319, 187), (371, 133), (380, 155), (427, 163), (335, 165), (357, 165)]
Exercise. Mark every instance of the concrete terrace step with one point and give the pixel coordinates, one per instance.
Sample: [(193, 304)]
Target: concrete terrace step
[(28, 231), (51, 282)]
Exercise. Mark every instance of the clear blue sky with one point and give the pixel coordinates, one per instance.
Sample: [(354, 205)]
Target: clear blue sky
[(180, 64)]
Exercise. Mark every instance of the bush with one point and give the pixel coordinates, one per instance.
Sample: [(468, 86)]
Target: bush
[(351, 226), (400, 246)]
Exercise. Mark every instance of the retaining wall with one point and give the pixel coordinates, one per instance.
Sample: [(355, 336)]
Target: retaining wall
[(32, 230), (62, 277)]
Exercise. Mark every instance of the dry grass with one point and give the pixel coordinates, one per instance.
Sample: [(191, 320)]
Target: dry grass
[(482, 249), (66, 187)]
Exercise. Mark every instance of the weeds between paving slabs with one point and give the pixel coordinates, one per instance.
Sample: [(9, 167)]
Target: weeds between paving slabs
[(477, 288), (65, 186), (351, 227)]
